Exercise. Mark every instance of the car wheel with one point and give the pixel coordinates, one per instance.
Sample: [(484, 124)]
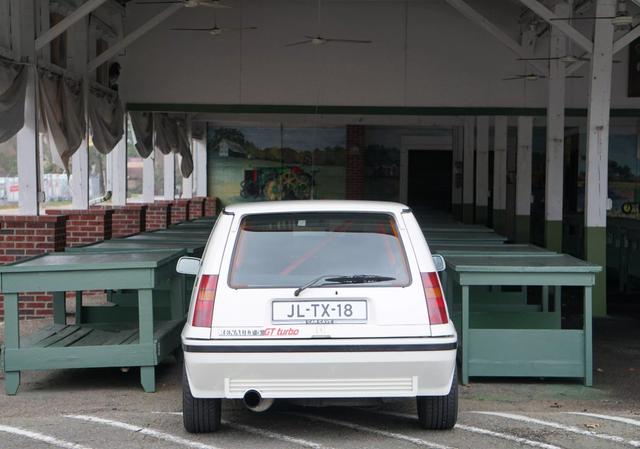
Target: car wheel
[(199, 415), (439, 412)]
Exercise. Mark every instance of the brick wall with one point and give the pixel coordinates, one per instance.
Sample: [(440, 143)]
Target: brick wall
[(179, 211), (127, 220), (25, 236), (158, 216), (85, 226), (210, 206), (355, 162), (196, 208)]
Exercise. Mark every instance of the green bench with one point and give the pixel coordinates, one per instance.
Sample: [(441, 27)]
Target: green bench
[(108, 338)]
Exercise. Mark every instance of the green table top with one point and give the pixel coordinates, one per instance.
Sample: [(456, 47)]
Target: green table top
[(454, 227), (169, 238), (183, 231), (554, 263), (490, 250), (92, 261), (137, 245), (193, 225)]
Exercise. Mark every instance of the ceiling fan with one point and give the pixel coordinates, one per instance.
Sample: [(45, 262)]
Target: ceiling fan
[(534, 77), (318, 40), (215, 30), (187, 3)]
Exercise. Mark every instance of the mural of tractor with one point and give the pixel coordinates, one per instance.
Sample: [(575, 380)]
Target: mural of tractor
[(277, 183)]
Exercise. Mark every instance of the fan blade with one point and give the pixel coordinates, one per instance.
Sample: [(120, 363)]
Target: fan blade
[(157, 3), (239, 28), (574, 77), (308, 41), (513, 78), (190, 29), (582, 18), (349, 41), (538, 59), (215, 5)]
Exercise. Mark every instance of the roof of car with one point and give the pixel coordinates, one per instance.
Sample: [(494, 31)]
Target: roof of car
[(315, 206)]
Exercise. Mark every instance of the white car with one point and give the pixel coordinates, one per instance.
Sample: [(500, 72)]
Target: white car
[(317, 299)]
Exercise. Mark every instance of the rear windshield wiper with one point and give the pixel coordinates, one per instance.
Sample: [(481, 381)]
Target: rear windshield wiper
[(333, 279)]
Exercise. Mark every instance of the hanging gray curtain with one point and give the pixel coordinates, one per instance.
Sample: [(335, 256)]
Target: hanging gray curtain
[(106, 120), (12, 99), (142, 124), (62, 116), (166, 140), (184, 148)]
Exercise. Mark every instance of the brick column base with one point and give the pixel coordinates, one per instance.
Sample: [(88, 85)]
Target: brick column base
[(179, 211), (127, 220), (210, 206), (158, 216), (196, 208), (26, 236), (86, 226)]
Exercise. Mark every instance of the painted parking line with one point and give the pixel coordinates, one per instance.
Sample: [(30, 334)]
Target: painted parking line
[(556, 425), (41, 437), (633, 422), (144, 431), (262, 433), (487, 432), (384, 433)]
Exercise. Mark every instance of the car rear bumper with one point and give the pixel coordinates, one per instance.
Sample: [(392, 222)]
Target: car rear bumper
[(338, 369)]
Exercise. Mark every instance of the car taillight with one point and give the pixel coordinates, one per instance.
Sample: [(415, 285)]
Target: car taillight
[(435, 299), (203, 311)]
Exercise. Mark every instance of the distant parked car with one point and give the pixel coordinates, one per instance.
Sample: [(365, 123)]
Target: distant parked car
[(317, 299)]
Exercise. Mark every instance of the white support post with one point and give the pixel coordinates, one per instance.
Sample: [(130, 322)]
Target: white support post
[(169, 176), (523, 178), (187, 182), (27, 144), (596, 190), (148, 179), (555, 134), (467, 174), (500, 174), (119, 172), (133, 36), (482, 169), (200, 158), (64, 24)]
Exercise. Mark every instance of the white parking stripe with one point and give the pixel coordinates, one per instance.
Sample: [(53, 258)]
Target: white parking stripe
[(41, 437), (262, 432), (503, 436), (572, 429), (633, 422), (384, 433), (144, 431)]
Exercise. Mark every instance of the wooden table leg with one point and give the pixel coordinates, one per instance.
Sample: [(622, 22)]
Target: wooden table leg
[(465, 334), (145, 333), (78, 308), (59, 308), (588, 331), (11, 340)]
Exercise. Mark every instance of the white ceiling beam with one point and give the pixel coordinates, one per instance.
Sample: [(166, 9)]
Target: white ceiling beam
[(65, 23), (467, 11), (546, 14), (132, 37), (618, 46)]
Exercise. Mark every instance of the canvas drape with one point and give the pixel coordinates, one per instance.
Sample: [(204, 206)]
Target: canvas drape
[(184, 148), (62, 116), (142, 124), (12, 98), (106, 120)]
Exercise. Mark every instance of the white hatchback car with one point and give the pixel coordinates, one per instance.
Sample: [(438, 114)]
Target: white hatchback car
[(317, 299)]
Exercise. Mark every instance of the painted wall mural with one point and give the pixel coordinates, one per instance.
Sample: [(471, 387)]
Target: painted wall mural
[(275, 163)]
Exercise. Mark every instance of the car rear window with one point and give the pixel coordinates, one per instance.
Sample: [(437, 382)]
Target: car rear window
[(291, 249)]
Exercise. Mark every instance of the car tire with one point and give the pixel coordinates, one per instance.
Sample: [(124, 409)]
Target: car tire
[(439, 412), (199, 415)]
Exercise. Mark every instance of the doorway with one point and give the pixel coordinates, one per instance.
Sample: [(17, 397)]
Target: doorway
[(429, 180)]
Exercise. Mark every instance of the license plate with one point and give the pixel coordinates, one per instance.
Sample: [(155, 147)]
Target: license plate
[(319, 312)]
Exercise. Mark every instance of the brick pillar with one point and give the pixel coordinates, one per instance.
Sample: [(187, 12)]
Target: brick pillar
[(196, 208), (25, 236), (127, 220), (210, 208), (355, 162), (158, 216), (179, 211), (85, 226)]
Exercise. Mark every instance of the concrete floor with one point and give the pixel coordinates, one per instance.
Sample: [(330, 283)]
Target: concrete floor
[(541, 411)]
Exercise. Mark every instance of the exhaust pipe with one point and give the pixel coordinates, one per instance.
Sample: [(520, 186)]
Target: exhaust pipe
[(253, 400)]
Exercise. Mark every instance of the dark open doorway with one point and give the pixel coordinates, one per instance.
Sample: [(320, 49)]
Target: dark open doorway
[(429, 181)]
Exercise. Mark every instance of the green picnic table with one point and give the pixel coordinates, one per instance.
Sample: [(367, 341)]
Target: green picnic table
[(183, 231), (535, 346), (454, 227), (472, 237), (515, 250), (193, 225), (167, 238), (94, 343), (132, 246)]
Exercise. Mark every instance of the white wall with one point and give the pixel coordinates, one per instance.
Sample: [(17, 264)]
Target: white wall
[(449, 60)]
